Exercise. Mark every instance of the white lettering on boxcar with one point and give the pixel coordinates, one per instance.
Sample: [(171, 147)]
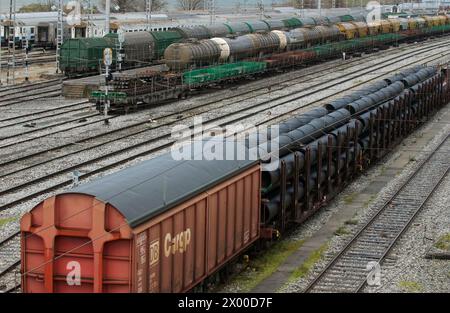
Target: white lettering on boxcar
[(73, 278), (154, 252)]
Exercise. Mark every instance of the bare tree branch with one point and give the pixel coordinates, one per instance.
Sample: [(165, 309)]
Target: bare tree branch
[(136, 5), (189, 5)]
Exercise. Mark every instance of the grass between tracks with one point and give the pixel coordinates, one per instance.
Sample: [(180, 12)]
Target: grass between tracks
[(443, 242), (264, 265), (410, 286), (306, 266), (6, 220)]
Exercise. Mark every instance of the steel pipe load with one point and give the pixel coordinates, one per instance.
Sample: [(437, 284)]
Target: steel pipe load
[(376, 86), (394, 78), (410, 80), (360, 105), (272, 207), (335, 119), (381, 95), (350, 128), (300, 120), (314, 147), (342, 102), (375, 97), (270, 179), (313, 130), (352, 154)]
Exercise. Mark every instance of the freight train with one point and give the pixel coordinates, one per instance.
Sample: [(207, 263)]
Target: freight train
[(168, 225), (84, 55), (196, 65)]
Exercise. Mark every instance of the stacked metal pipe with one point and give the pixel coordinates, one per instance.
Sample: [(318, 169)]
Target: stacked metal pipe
[(344, 116)]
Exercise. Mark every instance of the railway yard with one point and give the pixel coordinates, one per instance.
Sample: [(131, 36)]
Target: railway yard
[(358, 203)]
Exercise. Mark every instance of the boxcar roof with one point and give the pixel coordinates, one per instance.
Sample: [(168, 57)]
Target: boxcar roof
[(154, 186)]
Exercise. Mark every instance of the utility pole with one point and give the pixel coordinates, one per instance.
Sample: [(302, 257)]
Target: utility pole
[(12, 42), (260, 7), (107, 15), (26, 48), (1, 56), (148, 13), (212, 11), (90, 10), (59, 33), (107, 61), (120, 52)]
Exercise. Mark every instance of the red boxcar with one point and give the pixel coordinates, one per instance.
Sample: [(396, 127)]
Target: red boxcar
[(160, 226)]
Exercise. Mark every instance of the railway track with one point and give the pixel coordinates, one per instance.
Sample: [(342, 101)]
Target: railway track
[(10, 263), (31, 60), (347, 272), (251, 92), (285, 99), (53, 90), (17, 87), (91, 166), (236, 116), (25, 87), (45, 113)]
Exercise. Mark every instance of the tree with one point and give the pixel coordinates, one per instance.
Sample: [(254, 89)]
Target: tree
[(40, 7), (189, 5), (135, 5), (36, 7)]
